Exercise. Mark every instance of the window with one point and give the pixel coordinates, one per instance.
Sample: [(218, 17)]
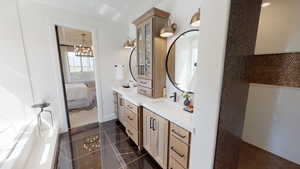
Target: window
[(80, 64)]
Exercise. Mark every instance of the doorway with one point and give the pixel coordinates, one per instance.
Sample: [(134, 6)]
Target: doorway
[(77, 64)]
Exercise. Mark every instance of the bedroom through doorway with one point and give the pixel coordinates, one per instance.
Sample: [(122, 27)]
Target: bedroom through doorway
[(77, 63)]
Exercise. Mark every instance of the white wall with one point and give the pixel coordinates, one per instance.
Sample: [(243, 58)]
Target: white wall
[(213, 38), (278, 29), (272, 120), (15, 88), (272, 114), (38, 22)]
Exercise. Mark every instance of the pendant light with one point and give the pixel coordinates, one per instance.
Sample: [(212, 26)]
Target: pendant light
[(82, 50), (168, 30), (195, 20)]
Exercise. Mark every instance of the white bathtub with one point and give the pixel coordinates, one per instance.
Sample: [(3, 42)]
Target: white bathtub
[(33, 151)]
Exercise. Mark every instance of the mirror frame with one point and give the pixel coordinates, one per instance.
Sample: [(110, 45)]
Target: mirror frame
[(130, 69), (167, 58)]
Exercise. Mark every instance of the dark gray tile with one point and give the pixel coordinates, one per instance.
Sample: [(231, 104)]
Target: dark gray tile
[(68, 137), (81, 147), (128, 151), (109, 124), (145, 162), (102, 159), (117, 137)]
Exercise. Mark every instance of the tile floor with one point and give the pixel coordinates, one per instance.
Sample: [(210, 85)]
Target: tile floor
[(104, 147), (252, 157)]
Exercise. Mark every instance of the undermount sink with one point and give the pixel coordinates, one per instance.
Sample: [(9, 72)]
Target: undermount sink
[(166, 103)]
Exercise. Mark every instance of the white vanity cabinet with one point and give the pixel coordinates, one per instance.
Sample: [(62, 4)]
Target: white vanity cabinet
[(155, 137)]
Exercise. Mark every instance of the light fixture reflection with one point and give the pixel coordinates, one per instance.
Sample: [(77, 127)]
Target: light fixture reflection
[(195, 20), (265, 4)]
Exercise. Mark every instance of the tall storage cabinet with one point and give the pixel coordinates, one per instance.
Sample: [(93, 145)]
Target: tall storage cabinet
[(155, 137), (151, 51)]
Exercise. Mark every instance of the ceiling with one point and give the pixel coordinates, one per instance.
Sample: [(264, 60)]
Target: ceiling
[(70, 36), (115, 10)]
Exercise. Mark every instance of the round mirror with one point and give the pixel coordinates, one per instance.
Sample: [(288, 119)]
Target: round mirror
[(133, 66), (182, 60)]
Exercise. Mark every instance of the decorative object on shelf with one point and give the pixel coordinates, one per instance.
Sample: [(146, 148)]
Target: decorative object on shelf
[(195, 20), (188, 102), (168, 30), (129, 44), (182, 60), (82, 49), (92, 144)]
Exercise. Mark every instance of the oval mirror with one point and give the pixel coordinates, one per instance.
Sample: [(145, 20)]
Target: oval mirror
[(182, 60), (133, 66)]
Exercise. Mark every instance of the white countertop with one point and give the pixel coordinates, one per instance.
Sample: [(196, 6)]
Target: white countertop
[(161, 106)]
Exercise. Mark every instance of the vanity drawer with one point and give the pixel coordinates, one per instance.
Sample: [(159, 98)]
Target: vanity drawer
[(173, 164), (145, 83), (131, 107), (145, 91), (179, 151), (132, 118), (132, 133), (180, 133)]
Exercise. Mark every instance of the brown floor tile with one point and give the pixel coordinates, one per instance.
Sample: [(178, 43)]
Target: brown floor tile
[(252, 157)]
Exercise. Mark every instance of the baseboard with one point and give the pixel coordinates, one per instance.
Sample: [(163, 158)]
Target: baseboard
[(109, 117)]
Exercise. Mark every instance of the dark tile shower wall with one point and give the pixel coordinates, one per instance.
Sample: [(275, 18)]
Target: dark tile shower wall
[(242, 31), (275, 69)]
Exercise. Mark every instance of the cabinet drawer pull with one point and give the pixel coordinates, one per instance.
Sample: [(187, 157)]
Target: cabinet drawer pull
[(181, 155), (178, 134), (151, 119), (129, 118), (153, 127)]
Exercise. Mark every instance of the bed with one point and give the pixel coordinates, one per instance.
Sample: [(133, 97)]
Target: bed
[(79, 95)]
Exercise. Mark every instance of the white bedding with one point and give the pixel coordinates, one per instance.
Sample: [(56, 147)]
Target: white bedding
[(77, 91), (78, 95)]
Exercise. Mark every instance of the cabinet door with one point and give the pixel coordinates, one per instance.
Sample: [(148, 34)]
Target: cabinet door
[(141, 50), (159, 140), (121, 109), (147, 130), (148, 49)]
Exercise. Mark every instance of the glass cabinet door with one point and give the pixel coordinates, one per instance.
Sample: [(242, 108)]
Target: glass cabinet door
[(148, 49), (141, 50)]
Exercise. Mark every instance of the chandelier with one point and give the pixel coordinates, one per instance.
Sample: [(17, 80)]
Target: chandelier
[(83, 50)]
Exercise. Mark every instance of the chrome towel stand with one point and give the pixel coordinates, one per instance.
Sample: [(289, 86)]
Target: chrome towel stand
[(42, 106)]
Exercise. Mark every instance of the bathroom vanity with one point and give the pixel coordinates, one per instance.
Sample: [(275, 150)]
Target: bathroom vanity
[(159, 126), (153, 122)]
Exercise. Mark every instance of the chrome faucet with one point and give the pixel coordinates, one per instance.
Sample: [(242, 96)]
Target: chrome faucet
[(174, 96)]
